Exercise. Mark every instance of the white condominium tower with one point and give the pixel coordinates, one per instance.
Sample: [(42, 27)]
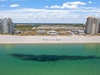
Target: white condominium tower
[(92, 25), (1, 23), (7, 26)]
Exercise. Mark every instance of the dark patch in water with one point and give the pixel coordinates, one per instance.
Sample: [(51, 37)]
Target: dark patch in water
[(47, 58)]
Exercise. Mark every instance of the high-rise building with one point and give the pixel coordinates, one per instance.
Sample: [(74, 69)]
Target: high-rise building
[(99, 25), (92, 25), (8, 26), (1, 23), (5, 25)]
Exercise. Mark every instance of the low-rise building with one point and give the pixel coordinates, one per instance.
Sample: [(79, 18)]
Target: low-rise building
[(17, 32), (41, 31), (52, 32), (81, 32)]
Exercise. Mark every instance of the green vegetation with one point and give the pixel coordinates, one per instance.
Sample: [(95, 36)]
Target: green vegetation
[(23, 27)]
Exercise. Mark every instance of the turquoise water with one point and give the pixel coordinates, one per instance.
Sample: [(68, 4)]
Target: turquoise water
[(12, 64)]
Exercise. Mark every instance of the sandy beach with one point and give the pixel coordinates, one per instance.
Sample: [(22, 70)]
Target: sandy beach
[(12, 39)]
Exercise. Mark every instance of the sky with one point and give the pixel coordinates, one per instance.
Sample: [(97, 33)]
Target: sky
[(49, 11)]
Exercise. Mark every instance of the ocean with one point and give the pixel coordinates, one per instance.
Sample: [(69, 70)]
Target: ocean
[(50, 59)]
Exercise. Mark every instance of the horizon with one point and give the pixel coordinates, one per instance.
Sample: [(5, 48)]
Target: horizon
[(49, 11), (47, 23)]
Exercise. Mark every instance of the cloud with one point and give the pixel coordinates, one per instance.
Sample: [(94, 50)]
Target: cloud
[(14, 5), (55, 6), (69, 5), (30, 15), (2, 6), (46, 6), (90, 2), (76, 3)]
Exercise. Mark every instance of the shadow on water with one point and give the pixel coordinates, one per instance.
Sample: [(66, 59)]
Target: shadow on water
[(48, 58)]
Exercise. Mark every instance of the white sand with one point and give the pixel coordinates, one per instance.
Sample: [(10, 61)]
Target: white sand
[(4, 39)]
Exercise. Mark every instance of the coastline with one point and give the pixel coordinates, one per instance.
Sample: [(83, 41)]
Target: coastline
[(14, 39)]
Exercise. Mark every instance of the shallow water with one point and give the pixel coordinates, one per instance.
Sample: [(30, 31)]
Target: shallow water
[(27, 59)]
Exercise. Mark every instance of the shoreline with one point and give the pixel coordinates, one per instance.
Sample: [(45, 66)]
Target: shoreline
[(54, 43), (14, 39)]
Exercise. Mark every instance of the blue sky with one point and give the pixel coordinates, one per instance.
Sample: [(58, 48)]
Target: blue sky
[(49, 11)]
